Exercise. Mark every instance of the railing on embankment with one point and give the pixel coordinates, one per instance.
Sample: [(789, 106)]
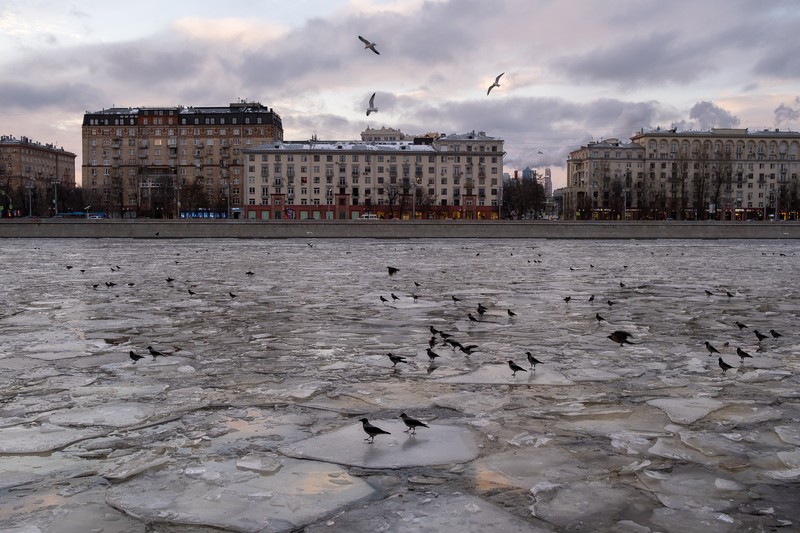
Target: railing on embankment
[(394, 229)]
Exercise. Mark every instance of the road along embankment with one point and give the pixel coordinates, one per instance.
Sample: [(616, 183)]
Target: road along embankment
[(392, 229)]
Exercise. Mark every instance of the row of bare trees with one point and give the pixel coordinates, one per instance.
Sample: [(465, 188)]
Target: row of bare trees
[(698, 185), (523, 198)]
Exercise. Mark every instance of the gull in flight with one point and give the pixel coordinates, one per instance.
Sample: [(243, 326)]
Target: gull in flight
[(369, 45), (495, 84), (372, 108)]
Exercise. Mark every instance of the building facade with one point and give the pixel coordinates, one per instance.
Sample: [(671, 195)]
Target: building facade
[(724, 173), (430, 176), (172, 161), (31, 176)]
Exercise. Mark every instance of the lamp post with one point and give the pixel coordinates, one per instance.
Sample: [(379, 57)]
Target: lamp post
[(414, 201), (625, 192), (178, 206), (54, 181), (29, 185), (225, 191)]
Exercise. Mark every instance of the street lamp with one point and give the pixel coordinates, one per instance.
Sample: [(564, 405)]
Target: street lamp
[(226, 192), (29, 185), (625, 192), (54, 181)]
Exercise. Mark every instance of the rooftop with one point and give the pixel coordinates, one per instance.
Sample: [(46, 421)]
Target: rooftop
[(352, 146), (719, 132), (25, 141)]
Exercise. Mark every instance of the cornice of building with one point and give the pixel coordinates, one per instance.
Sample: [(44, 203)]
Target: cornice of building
[(8, 140), (718, 133)]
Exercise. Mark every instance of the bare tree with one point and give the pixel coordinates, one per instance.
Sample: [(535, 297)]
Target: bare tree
[(522, 198), (392, 196)]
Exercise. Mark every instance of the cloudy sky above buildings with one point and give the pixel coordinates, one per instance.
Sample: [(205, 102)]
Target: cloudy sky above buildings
[(575, 70)]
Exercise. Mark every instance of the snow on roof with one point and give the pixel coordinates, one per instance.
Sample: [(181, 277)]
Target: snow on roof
[(351, 146)]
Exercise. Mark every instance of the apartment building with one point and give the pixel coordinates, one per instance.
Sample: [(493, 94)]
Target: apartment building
[(724, 173), (165, 162), (431, 176), (31, 174)]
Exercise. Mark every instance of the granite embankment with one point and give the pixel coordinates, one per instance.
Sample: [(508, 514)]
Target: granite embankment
[(418, 229)]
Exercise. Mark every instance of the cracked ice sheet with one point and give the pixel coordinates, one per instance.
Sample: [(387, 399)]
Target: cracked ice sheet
[(591, 505), (529, 466), (439, 444), (411, 512), (41, 438), (220, 494), (116, 415), (493, 373), (687, 488), (789, 434), (686, 410)]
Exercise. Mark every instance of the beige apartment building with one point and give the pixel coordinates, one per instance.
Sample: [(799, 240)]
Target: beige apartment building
[(386, 173), (724, 173), (31, 176), (166, 162)]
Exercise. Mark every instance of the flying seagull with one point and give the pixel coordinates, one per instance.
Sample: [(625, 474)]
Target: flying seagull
[(368, 44), (495, 84), (372, 108)]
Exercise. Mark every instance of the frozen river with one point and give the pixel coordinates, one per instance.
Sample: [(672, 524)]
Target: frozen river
[(274, 350)]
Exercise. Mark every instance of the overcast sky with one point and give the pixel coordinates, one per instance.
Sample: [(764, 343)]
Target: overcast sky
[(575, 70)]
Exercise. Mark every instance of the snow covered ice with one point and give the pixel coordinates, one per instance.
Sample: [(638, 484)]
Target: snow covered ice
[(250, 421)]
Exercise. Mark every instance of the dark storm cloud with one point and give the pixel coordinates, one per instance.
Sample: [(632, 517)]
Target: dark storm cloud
[(330, 48), (706, 115), (658, 58), (445, 32), (554, 126), (307, 52), (787, 114), (780, 62), (709, 115), (144, 63), (37, 96), (548, 114)]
